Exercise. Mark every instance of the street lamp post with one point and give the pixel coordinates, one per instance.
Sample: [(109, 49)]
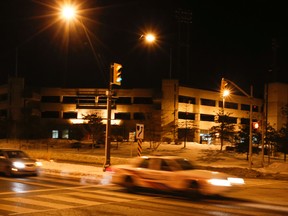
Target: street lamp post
[(225, 82)]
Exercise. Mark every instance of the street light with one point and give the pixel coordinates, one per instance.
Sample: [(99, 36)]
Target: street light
[(150, 38), (225, 82), (68, 12)]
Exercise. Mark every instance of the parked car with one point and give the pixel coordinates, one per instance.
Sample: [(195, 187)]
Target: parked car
[(172, 173), (17, 162)]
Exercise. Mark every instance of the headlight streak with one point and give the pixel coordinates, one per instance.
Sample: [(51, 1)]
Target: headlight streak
[(238, 181), (219, 182), (38, 164), (18, 165)]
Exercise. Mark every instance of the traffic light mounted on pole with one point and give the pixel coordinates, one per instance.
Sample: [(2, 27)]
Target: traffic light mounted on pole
[(117, 74)]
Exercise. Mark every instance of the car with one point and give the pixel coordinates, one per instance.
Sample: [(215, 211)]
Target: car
[(172, 174), (17, 162)]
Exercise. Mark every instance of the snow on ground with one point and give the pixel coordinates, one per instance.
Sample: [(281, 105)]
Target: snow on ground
[(202, 155)]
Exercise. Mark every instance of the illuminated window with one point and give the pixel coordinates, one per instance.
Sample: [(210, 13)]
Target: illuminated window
[(55, 134), (65, 134)]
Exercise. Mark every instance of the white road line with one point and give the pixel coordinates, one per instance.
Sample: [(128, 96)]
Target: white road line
[(265, 206), (36, 202), (69, 199), (62, 181), (104, 197), (15, 208), (115, 193)]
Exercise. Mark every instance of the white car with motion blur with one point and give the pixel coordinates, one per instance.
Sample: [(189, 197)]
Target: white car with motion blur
[(172, 173), (16, 162)]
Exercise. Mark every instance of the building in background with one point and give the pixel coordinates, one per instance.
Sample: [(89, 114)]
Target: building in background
[(170, 113)]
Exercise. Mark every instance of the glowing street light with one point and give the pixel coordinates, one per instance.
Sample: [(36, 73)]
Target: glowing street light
[(150, 38), (226, 92), (68, 12)]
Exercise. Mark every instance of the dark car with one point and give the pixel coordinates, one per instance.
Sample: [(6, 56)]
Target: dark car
[(17, 162)]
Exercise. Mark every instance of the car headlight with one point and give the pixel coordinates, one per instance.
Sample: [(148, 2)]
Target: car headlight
[(238, 181), (38, 163), (219, 182), (18, 165)]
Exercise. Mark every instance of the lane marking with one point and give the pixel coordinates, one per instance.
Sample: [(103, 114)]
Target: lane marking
[(15, 208), (37, 202), (66, 198)]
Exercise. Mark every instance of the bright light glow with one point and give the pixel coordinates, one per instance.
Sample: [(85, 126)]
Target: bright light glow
[(226, 92), (18, 165), (239, 181), (38, 163), (68, 12), (219, 182), (150, 38), (78, 121)]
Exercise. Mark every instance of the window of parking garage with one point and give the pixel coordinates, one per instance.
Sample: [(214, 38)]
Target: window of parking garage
[(69, 100), (245, 121), (123, 100), (232, 120), (86, 100), (229, 105), (143, 100), (207, 102), (186, 99), (245, 107), (205, 117), (123, 116), (139, 116), (69, 115), (186, 115), (50, 114), (50, 99)]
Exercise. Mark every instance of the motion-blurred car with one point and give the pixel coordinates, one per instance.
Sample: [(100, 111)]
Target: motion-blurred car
[(172, 174), (17, 162)]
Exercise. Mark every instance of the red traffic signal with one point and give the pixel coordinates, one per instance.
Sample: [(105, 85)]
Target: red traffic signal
[(255, 125)]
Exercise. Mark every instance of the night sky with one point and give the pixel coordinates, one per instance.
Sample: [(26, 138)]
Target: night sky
[(243, 41)]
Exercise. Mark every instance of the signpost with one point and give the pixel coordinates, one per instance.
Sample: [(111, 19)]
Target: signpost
[(139, 137)]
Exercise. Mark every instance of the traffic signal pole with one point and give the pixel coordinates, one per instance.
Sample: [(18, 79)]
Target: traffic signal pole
[(107, 162)]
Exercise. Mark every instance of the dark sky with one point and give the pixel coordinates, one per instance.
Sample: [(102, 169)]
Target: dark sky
[(230, 39)]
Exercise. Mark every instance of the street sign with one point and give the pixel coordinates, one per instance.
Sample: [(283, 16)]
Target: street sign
[(131, 136), (139, 131)]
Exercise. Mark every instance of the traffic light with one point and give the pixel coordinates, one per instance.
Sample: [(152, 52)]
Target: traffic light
[(117, 73), (255, 125)]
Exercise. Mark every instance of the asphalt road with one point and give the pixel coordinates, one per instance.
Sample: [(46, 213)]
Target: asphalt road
[(55, 195)]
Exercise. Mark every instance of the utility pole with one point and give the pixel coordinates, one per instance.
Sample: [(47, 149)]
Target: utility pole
[(107, 162), (115, 77)]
